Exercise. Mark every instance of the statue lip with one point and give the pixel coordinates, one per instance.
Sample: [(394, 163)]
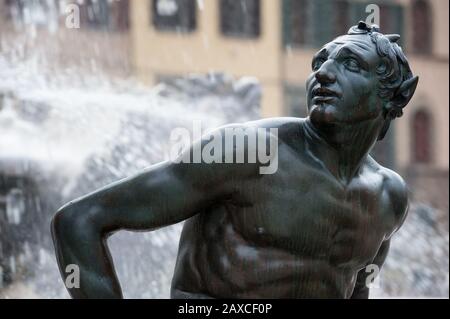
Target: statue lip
[(323, 92)]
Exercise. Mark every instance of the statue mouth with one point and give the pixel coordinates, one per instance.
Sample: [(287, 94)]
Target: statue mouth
[(324, 95), (323, 92)]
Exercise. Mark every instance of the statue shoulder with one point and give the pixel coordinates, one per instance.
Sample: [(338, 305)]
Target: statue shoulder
[(283, 123), (396, 187), (287, 128), (395, 191)]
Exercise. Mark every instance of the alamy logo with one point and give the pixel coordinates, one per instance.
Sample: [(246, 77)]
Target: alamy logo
[(228, 145), (372, 279), (374, 16), (73, 16), (73, 276)]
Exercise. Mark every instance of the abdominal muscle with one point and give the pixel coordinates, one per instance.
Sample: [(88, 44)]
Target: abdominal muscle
[(215, 261)]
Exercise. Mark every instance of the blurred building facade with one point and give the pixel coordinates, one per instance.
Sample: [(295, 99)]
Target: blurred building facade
[(275, 41)]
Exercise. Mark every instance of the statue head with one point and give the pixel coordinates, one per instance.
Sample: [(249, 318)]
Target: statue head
[(360, 77)]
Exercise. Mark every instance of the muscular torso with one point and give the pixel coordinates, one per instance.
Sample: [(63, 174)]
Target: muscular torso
[(298, 233)]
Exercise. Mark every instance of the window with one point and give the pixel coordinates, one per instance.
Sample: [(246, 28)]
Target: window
[(421, 131), (94, 14), (391, 19), (295, 21), (11, 9), (312, 23), (240, 18), (342, 20), (120, 15), (391, 16), (421, 19), (38, 12), (174, 15), (105, 15)]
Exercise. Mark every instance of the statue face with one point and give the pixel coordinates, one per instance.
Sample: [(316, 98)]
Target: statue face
[(343, 87)]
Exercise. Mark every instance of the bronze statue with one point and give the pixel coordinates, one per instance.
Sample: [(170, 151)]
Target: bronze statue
[(307, 231)]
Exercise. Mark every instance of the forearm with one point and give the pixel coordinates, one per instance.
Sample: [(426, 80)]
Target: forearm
[(79, 244)]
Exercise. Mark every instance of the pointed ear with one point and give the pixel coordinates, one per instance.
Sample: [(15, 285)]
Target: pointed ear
[(405, 92), (384, 129), (393, 37)]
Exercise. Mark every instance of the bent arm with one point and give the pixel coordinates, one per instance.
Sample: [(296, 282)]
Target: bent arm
[(162, 195), (157, 197)]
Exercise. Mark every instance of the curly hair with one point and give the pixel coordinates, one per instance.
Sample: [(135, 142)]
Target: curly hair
[(394, 68)]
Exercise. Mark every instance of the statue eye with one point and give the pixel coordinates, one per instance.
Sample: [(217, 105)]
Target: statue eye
[(317, 63), (352, 64)]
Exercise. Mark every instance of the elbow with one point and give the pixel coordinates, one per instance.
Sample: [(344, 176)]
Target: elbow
[(70, 223), (62, 223)]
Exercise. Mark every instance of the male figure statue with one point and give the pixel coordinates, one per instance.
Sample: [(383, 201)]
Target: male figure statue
[(307, 231)]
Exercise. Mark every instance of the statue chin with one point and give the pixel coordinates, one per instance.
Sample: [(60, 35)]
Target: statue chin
[(322, 116)]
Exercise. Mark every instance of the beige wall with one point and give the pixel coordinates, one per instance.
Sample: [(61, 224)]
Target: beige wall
[(432, 92), (297, 65), (207, 50), (440, 28), (431, 95)]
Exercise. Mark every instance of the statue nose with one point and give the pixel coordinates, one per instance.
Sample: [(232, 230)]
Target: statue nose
[(324, 75)]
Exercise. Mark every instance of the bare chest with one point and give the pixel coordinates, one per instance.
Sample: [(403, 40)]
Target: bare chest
[(307, 213)]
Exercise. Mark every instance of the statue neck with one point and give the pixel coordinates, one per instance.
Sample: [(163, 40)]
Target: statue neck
[(342, 149)]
